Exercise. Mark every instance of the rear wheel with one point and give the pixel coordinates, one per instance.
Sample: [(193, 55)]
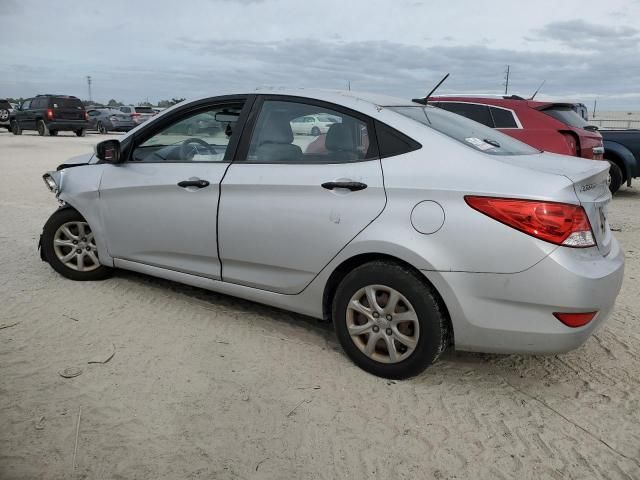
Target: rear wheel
[(615, 174), (15, 128), (81, 132), (69, 245), (315, 131), (53, 133), (42, 128), (389, 321)]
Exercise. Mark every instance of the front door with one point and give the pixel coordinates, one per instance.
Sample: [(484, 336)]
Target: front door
[(159, 207), (290, 202)]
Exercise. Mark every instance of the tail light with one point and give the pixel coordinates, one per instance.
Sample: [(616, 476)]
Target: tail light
[(49, 113), (575, 320), (86, 116), (558, 223), (572, 143)]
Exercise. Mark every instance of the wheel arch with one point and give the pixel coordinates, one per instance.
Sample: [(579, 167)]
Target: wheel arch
[(621, 156), (347, 265)]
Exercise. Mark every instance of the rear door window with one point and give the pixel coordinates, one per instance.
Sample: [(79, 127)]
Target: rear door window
[(503, 118), (477, 113)]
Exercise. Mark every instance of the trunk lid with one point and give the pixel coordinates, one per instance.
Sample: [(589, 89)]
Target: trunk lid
[(590, 180)]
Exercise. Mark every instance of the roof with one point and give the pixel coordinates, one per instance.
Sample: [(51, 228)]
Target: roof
[(336, 96)]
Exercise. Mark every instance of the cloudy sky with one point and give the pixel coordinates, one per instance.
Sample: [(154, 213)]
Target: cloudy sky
[(158, 49)]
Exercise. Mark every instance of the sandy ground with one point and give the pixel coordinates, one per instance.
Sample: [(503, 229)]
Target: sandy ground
[(206, 386)]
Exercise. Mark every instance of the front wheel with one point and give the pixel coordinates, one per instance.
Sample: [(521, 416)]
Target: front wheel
[(81, 132), (389, 320), (69, 245), (616, 177), (15, 128), (101, 128)]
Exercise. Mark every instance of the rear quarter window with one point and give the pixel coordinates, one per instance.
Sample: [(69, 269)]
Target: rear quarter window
[(503, 118), (391, 142)]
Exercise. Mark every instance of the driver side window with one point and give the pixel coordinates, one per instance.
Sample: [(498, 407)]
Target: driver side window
[(202, 136)]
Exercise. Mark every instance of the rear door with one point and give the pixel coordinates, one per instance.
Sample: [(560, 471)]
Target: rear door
[(160, 206), (289, 203)]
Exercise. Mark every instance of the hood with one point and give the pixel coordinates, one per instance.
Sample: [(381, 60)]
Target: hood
[(78, 160)]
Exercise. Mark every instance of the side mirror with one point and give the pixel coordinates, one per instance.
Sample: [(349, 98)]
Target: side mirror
[(108, 151)]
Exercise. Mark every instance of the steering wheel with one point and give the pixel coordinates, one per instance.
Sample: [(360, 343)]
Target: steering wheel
[(189, 148)]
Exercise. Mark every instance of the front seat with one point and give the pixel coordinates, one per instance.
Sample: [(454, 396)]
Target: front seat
[(275, 142), (340, 143)]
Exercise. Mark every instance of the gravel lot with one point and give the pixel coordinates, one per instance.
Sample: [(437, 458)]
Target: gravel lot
[(208, 386)]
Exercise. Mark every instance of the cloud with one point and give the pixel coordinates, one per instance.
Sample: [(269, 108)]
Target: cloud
[(582, 35)]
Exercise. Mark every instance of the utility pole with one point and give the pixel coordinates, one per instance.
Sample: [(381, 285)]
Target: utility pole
[(89, 85), (595, 102), (506, 81), (349, 85)]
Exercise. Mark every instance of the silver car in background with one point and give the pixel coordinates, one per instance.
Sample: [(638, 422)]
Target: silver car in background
[(411, 228), (106, 120), (138, 114)]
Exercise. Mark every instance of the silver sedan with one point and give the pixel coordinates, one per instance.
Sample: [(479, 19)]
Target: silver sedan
[(412, 229)]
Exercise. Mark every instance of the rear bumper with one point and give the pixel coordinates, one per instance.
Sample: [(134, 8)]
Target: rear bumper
[(513, 313), (67, 124)]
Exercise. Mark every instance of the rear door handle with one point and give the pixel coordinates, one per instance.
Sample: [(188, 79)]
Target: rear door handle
[(193, 183), (353, 186)]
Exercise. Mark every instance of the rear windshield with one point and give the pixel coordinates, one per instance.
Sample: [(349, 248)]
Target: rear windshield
[(472, 134), (66, 102), (144, 110), (566, 115)]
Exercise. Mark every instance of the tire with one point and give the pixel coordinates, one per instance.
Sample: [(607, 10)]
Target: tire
[(101, 129), (4, 114), (81, 132), (15, 128), (428, 330), (315, 131), (53, 230), (53, 133), (616, 177), (43, 130)]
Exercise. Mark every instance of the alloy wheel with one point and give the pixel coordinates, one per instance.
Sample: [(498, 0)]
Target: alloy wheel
[(383, 324), (75, 246)]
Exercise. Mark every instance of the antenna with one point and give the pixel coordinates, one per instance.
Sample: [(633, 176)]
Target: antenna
[(536, 92), (506, 80), (425, 100)]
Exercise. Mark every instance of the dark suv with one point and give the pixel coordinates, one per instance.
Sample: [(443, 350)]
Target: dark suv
[(49, 114)]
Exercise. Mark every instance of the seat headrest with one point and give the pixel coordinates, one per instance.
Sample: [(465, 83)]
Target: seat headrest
[(339, 138), (276, 130)]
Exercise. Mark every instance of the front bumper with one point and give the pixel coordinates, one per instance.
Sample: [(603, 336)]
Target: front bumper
[(513, 313)]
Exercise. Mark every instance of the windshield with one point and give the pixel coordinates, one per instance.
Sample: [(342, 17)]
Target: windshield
[(566, 115), (144, 110), (472, 134)]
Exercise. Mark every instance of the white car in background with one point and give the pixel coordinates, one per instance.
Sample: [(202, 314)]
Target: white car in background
[(313, 124)]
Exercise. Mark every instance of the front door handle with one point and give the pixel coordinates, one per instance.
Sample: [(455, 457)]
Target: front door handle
[(193, 183), (353, 186)]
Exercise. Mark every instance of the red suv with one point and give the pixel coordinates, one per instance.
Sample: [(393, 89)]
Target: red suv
[(550, 126)]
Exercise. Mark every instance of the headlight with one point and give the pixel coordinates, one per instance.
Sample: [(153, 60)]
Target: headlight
[(50, 183)]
